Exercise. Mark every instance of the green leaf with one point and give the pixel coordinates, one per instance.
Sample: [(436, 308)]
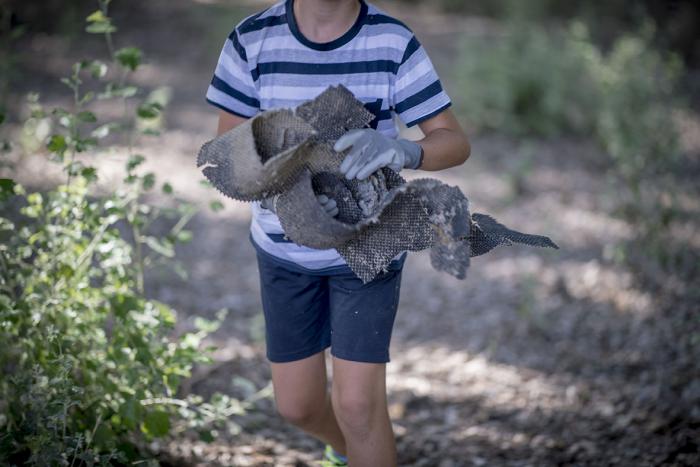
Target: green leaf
[(161, 247), (129, 57), (117, 91), (87, 116), (90, 173), (104, 130), (69, 82), (87, 98), (121, 305), (35, 199), (84, 144), (100, 28), (134, 161), (167, 188), (156, 423), (37, 113), (151, 132), (216, 206), (160, 95), (149, 180), (66, 120), (206, 325), (180, 270), (104, 436), (78, 67), (149, 110), (7, 188), (57, 144), (126, 91), (167, 316), (207, 436), (65, 271), (60, 112), (98, 69), (97, 16), (108, 93), (184, 236), (131, 411)]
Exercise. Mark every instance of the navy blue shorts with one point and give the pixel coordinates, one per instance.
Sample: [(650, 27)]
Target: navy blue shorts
[(307, 311)]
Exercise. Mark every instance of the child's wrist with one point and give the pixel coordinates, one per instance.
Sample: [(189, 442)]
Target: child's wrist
[(420, 158), (413, 153)]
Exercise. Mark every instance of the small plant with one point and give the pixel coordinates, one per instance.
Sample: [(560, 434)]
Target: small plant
[(89, 369)]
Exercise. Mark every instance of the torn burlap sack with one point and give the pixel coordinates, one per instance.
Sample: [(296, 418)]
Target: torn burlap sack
[(290, 153)]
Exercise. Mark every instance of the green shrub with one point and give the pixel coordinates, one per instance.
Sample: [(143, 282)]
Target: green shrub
[(635, 121), (528, 82), (636, 127), (534, 82), (89, 368)]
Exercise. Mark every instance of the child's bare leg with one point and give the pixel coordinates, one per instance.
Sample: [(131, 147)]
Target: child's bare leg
[(359, 399), (299, 387)]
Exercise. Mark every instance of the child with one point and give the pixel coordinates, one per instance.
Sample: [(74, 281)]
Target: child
[(281, 57)]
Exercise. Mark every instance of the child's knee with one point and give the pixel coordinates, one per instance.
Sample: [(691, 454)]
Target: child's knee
[(300, 413), (355, 411)]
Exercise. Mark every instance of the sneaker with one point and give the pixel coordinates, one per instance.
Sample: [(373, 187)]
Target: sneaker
[(332, 458)]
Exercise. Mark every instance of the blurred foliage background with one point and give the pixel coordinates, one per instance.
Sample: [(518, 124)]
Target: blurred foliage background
[(102, 362)]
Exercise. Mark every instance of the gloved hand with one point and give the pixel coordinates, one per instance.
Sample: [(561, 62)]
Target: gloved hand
[(371, 150), (270, 203), (328, 204)]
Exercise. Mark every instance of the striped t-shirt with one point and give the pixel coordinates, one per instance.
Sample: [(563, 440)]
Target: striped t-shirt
[(266, 63)]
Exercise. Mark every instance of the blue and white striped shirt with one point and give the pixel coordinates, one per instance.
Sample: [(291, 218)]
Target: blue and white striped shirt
[(266, 63)]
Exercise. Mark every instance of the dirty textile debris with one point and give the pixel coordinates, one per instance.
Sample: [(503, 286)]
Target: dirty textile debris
[(290, 153)]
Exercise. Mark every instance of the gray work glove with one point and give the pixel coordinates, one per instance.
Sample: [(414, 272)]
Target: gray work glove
[(371, 151), (269, 203), (328, 204)]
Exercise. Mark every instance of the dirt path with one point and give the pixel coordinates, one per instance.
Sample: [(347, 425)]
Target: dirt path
[(537, 358)]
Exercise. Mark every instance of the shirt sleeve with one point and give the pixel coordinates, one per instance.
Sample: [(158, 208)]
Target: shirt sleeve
[(232, 88), (418, 93)]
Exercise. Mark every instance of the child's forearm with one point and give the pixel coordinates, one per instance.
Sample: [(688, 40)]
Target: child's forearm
[(445, 144), (444, 148)]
